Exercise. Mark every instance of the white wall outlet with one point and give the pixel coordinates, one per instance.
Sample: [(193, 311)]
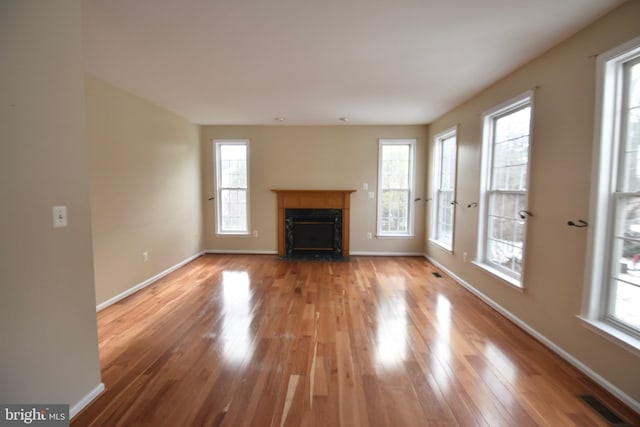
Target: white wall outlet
[(464, 257), (255, 233), (372, 195), (59, 216), (369, 235), (145, 256), (365, 186)]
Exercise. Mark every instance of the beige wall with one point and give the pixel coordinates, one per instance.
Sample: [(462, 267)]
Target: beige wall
[(49, 350), (561, 166), (313, 157), (145, 188)]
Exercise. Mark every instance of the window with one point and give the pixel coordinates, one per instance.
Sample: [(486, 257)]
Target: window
[(444, 186), (503, 187), (395, 187), (232, 159), (613, 303)]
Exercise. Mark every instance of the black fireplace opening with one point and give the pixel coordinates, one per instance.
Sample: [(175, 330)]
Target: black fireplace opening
[(315, 233)]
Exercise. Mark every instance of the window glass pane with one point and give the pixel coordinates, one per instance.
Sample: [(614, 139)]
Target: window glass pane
[(629, 218), (447, 180), (626, 303), (505, 255), (513, 125), (506, 231), (444, 220), (634, 85), (625, 281), (510, 178), (234, 210), (506, 205), (511, 151), (395, 166), (395, 210), (233, 164), (631, 133)]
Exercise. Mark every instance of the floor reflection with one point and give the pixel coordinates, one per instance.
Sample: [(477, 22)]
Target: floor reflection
[(443, 316), (501, 361), (237, 317), (392, 331), (441, 349)]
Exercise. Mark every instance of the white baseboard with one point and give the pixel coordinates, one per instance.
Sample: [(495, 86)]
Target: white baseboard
[(240, 251), (144, 284), (268, 252), (82, 403), (379, 253), (622, 396)]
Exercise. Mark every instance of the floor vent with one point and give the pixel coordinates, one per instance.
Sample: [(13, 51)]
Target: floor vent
[(436, 274), (602, 409)]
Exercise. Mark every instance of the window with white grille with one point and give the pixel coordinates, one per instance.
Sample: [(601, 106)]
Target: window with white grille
[(444, 187), (613, 282), (395, 187), (504, 189), (232, 191)]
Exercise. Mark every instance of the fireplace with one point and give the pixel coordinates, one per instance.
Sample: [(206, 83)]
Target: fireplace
[(316, 232), (313, 223)]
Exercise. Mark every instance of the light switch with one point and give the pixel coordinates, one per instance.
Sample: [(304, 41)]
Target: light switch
[(365, 186), (59, 216), (372, 195)]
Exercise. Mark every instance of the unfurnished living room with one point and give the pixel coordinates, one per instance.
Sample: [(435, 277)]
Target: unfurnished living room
[(337, 213)]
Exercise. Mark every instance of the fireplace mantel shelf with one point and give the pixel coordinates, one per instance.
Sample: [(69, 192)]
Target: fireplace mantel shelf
[(313, 199), (294, 190)]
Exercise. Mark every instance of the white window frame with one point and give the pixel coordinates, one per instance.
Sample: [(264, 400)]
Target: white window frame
[(436, 180), (217, 143), (411, 180), (604, 195), (488, 119)]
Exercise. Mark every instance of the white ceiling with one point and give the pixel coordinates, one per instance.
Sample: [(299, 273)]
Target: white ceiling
[(314, 61)]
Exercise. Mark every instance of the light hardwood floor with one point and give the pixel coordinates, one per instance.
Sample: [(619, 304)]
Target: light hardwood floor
[(251, 340)]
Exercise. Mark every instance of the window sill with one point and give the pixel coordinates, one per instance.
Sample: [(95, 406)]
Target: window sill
[(514, 283), (394, 236), (615, 335), (448, 249), (233, 234)]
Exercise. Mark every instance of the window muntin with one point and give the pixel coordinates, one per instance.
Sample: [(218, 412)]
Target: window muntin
[(232, 159), (504, 189), (395, 187), (444, 179)]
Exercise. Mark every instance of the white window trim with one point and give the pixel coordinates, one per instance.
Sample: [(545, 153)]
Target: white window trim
[(435, 179), (605, 166), (526, 98), (217, 179), (412, 177)]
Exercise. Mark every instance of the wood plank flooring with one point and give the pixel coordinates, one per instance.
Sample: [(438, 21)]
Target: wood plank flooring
[(249, 340)]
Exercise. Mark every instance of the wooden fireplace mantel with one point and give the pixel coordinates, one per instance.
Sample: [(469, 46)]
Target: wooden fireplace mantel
[(314, 199)]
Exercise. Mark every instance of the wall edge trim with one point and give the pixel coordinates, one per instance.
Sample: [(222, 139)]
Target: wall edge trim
[(86, 400), (383, 253), (241, 251), (597, 378), (145, 283)]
